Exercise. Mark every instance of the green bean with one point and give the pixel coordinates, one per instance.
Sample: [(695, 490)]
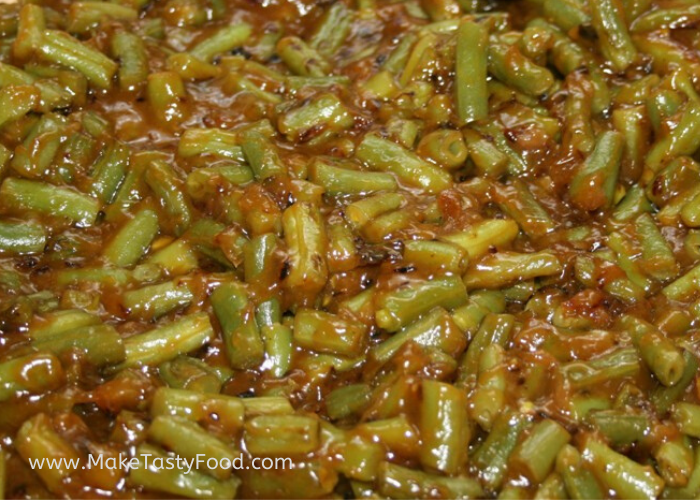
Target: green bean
[(168, 341), (579, 481), (130, 51), (493, 454), (213, 141), (19, 194), (307, 241), (607, 18), (663, 397), (621, 428), (324, 332), (190, 441), (348, 401), (98, 344), (387, 156), (332, 30), (624, 476), (484, 235), (31, 24), (37, 439), (339, 181), (210, 410), (593, 186), (61, 48), (675, 461), (620, 363), (186, 372), (167, 96), (506, 268), (281, 434), (21, 238), (471, 71), (224, 40), (30, 374), (660, 355), (85, 16), (397, 482), (153, 472), (495, 329), (511, 67), (435, 329), (398, 308), (301, 59), (161, 178), (133, 239)]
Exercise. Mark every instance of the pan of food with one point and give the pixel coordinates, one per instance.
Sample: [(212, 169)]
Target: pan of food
[(350, 249)]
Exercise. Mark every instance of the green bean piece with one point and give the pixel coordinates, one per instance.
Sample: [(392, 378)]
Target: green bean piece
[(190, 441), (210, 410), (536, 455), (161, 178), (324, 332), (484, 235), (168, 341), (37, 439), (281, 434), (435, 256), (682, 140), (506, 268), (495, 329), (687, 418), (243, 344), (400, 307), (511, 67), (262, 156), (109, 171), (186, 372), (306, 239), (593, 186), (518, 202), (493, 454), (20, 194), (130, 51), (471, 71), (621, 428), (397, 482), (133, 239), (175, 481), (620, 363), (348, 401), (693, 481), (579, 482), (300, 58), (31, 24), (607, 18), (624, 476), (663, 397), (60, 48), (224, 40), (675, 461), (444, 426), (168, 97), (211, 141), (155, 301), (98, 344), (21, 238), (435, 329), (85, 16), (30, 374), (661, 356), (387, 156), (566, 14), (339, 181)]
